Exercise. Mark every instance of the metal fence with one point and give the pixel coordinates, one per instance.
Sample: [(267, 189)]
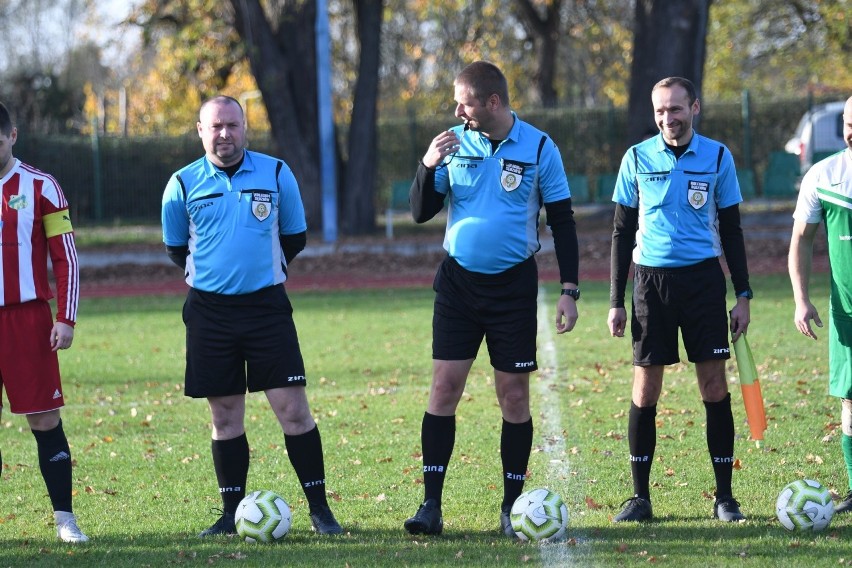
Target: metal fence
[(117, 180)]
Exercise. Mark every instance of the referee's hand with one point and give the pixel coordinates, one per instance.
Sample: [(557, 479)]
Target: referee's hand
[(61, 336), (442, 146), (617, 321), (566, 314), (740, 318)]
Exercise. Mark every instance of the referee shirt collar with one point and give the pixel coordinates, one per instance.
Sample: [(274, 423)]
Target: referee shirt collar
[(660, 144), (515, 131), (513, 135), (247, 165)]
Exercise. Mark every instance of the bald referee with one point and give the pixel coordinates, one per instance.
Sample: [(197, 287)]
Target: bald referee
[(233, 220), (494, 172)]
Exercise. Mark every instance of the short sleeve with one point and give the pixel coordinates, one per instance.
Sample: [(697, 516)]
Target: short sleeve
[(291, 216), (174, 215)]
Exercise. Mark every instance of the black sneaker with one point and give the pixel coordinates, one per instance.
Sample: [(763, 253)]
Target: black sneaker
[(506, 522), (323, 521), (427, 519), (845, 505), (635, 509), (727, 509), (225, 525)]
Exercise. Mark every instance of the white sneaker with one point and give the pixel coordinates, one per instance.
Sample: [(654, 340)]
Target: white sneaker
[(67, 529)]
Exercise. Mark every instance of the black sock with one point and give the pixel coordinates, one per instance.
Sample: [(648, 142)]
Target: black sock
[(305, 452), (642, 441), (720, 442), (231, 461), (54, 459), (515, 447), (437, 437)]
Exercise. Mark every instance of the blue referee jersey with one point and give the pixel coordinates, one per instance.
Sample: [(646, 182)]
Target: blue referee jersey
[(495, 198), (678, 199), (232, 226)]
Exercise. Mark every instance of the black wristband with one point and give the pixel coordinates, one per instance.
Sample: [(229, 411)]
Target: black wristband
[(574, 293)]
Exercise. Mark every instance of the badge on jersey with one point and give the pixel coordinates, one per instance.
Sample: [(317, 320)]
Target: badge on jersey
[(697, 193), (511, 176), (18, 202), (261, 205)]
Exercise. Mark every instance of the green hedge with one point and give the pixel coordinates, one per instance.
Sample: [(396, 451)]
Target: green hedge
[(115, 180)]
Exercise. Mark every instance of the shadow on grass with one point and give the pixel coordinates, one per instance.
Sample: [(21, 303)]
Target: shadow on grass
[(355, 548), (679, 540), (696, 540)]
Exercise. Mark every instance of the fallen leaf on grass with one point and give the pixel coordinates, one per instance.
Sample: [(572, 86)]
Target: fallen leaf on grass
[(590, 503)]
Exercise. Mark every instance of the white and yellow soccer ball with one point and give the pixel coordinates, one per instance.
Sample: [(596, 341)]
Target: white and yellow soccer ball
[(262, 516), (539, 515), (804, 505)]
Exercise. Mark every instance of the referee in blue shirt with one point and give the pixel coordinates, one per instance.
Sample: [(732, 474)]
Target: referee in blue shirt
[(495, 173), (233, 220), (677, 210)]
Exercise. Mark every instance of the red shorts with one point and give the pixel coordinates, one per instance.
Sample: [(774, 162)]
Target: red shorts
[(29, 370)]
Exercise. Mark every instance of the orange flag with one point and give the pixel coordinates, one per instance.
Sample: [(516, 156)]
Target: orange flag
[(752, 397)]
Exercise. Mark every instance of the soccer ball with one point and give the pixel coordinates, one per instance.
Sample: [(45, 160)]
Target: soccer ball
[(539, 515), (262, 516), (804, 505)]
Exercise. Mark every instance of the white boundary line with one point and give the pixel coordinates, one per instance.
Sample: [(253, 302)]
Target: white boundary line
[(558, 474)]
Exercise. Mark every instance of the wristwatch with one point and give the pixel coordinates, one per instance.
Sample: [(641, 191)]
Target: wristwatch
[(574, 293), (747, 293)]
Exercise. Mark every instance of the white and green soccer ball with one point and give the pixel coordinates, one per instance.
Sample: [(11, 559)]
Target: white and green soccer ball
[(262, 516), (539, 515), (804, 505)]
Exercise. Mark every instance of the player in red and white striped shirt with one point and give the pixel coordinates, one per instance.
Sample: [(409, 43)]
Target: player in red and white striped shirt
[(34, 223)]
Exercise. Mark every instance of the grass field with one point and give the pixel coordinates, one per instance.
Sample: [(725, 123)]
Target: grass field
[(145, 486)]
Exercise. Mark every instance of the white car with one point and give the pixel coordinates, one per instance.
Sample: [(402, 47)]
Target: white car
[(819, 134)]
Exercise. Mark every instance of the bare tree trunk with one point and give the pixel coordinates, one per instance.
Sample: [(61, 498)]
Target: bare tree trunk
[(547, 31), (359, 211), (669, 39), (283, 62)]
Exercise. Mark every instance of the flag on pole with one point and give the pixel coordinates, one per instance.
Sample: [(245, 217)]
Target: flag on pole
[(752, 397)]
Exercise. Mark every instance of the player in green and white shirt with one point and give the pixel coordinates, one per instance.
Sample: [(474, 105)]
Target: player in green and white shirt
[(826, 195)]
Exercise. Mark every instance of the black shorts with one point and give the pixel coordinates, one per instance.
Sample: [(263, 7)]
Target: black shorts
[(500, 307), (691, 298), (240, 342)]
